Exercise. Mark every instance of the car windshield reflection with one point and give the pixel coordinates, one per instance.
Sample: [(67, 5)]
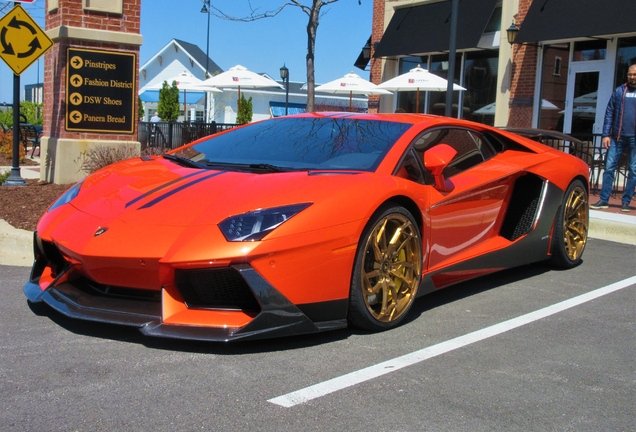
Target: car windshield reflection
[(300, 143)]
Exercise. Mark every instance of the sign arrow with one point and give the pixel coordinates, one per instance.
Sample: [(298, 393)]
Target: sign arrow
[(16, 23), (35, 45), (8, 48)]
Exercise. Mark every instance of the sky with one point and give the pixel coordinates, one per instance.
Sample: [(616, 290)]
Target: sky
[(261, 46)]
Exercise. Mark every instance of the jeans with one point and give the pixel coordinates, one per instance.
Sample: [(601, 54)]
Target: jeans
[(611, 163)]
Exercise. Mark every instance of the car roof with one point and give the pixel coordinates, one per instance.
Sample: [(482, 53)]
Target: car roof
[(395, 117)]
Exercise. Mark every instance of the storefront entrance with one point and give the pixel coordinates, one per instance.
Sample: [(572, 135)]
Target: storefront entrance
[(575, 86)]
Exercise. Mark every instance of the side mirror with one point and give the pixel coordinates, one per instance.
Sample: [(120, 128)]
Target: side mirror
[(436, 159)]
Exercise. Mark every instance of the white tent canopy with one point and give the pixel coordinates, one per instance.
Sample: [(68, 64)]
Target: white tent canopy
[(418, 79), (184, 82), (237, 77), (351, 84)]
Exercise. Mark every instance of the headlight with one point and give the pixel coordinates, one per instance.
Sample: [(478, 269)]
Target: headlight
[(255, 225), (67, 196)]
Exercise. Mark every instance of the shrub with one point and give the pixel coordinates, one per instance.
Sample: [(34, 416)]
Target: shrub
[(100, 156), (168, 107), (4, 176), (6, 145), (245, 111)]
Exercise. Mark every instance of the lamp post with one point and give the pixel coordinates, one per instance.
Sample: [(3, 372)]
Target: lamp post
[(284, 74), (206, 9)]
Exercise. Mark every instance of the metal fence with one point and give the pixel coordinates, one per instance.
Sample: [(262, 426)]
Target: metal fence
[(588, 147), (170, 135)]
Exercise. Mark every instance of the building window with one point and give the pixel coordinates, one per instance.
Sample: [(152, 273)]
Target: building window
[(480, 81), (553, 86), (589, 50), (557, 66), (437, 100), (478, 76), (625, 58)]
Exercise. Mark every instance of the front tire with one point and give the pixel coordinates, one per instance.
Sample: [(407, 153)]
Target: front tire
[(571, 226), (387, 270)]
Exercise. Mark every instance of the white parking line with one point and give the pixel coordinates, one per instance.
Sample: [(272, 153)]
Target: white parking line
[(324, 388)]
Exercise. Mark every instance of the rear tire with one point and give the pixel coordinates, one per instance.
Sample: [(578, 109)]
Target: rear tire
[(571, 226), (387, 270)]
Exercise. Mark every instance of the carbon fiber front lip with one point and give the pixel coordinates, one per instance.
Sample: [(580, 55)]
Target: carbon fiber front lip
[(278, 317)]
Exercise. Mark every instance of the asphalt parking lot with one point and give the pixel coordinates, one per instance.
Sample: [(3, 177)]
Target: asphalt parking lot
[(501, 353)]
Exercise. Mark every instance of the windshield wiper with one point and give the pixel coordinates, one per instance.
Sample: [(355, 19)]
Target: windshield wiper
[(250, 167), (183, 161)]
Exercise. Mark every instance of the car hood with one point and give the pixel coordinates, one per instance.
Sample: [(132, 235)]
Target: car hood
[(159, 192)]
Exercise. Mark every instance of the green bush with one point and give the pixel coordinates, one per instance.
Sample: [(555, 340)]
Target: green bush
[(4, 176), (168, 107), (245, 111)]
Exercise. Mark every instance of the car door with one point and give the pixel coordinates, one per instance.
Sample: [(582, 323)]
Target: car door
[(465, 218)]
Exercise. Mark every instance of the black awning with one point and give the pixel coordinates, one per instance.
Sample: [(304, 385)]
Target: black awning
[(564, 19), (426, 28)]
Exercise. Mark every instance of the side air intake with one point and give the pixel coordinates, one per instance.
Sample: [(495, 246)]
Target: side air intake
[(522, 211)]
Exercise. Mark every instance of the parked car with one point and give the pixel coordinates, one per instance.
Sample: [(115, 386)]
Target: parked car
[(305, 223)]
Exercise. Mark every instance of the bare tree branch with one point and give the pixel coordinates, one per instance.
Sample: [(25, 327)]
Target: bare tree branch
[(254, 14), (314, 14)]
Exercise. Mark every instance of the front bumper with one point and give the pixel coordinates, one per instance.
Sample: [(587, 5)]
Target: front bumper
[(278, 317)]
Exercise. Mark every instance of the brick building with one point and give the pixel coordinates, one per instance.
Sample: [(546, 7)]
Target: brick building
[(105, 25), (557, 75)]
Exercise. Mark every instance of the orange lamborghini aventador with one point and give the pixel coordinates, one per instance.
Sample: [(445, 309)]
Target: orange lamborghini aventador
[(305, 223)]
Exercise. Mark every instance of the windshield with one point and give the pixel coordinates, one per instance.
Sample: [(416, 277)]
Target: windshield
[(301, 143)]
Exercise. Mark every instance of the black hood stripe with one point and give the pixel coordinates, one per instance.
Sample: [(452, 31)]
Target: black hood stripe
[(158, 188), (179, 189)]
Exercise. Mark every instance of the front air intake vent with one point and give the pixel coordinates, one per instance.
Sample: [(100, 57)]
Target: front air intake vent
[(222, 288)]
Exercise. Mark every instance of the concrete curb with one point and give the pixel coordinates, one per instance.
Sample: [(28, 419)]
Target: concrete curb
[(613, 227), (16, 245)]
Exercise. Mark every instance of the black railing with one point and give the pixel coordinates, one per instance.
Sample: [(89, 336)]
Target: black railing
[(170, 135), (165, 136), (588, 147)]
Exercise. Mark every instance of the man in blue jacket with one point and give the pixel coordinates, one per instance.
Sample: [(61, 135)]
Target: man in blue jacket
[(619, 135)]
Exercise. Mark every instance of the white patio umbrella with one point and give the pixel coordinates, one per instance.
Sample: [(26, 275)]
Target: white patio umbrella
[(185, 82), (415, 80), (353, 84), (237, 77)]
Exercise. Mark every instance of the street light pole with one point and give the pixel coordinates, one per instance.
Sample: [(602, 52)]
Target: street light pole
[(206, 9), (284, 74)]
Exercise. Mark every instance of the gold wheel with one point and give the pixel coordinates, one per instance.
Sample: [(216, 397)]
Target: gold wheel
[(570, 233), (389, 269), (575, 223)]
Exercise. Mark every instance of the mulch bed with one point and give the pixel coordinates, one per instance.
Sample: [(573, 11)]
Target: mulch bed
[(22, 206)]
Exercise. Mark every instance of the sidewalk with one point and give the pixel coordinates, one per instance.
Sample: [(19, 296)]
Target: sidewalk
[(610, 224), (26, 172)]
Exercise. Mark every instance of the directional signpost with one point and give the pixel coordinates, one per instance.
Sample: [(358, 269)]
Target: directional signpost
[(100, 91), (22, 42)]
